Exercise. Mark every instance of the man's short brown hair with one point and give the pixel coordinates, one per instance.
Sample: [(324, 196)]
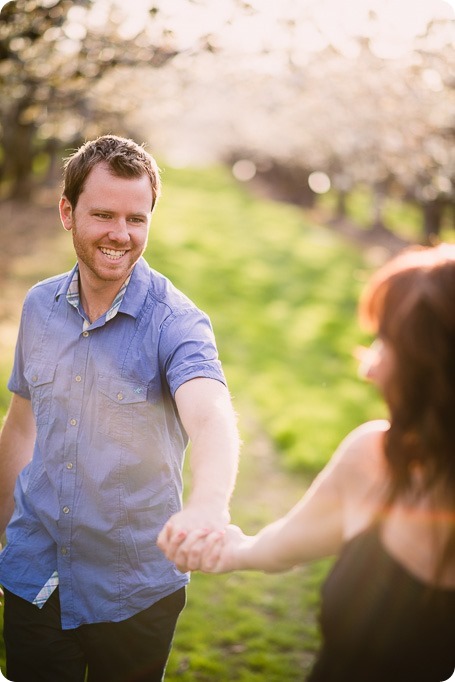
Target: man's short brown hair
[(124, 158)]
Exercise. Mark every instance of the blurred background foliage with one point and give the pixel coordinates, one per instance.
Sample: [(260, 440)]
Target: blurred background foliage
[(298, 97), (54, 56)]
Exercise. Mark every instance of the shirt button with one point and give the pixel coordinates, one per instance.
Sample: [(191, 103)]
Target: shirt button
[(119, 396), (78, 378), (69, 465), (66, 510), (73, 422), (64, 551), (34, 377), (85, 334)]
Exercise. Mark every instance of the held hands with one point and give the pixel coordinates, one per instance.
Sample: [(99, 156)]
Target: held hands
[(224, 553), (193, 545), (183, 538)]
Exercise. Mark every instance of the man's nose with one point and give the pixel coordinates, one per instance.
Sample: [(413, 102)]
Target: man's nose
[(119, 231)]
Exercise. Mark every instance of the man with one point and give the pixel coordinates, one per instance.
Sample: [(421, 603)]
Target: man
[(115, 370)]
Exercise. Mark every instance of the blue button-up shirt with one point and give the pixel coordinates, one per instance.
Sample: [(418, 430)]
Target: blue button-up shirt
[(106, 469)]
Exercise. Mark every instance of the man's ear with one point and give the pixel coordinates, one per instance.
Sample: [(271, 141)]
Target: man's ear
[(66, 213)]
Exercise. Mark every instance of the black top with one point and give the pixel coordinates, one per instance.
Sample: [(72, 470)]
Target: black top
[(380, 623)]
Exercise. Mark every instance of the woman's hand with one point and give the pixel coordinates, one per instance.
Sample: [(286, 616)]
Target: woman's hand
[(222, 552), (218, 551)]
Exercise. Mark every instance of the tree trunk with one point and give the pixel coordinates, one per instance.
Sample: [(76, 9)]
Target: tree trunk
[(432, 219), (341, 204), (377, 222), (18, 159)]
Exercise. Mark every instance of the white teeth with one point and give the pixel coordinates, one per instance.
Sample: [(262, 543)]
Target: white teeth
[(110, 253)]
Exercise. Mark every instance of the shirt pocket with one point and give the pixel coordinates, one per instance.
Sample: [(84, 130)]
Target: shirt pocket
[(122, 409), (40, 379)]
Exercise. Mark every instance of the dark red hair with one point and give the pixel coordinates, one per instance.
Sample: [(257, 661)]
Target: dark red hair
[(410, 303)]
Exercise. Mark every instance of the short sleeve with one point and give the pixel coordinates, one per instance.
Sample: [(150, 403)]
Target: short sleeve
[(188, 349)]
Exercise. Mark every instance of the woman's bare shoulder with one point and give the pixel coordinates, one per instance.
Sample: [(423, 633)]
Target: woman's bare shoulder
[(367, 430), (362, 476), (361, 452)]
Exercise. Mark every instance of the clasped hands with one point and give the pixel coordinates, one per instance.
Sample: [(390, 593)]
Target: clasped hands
[(194, 544)]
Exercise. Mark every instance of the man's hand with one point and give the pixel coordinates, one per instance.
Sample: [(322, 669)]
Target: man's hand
[(213, 551), (184, 538)]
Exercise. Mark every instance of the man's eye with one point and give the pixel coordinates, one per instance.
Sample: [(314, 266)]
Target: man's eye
[(104, 216)]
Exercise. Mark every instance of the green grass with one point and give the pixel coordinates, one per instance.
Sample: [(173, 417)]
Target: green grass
[(403, 218), (282, 295), (245, 626)]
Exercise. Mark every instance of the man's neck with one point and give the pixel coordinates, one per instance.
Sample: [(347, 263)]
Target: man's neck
[(97, 299)]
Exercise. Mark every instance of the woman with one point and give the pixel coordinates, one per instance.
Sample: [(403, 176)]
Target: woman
[(385, 503)]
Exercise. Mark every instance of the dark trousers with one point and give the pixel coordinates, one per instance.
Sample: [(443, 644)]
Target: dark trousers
[(133, 650)]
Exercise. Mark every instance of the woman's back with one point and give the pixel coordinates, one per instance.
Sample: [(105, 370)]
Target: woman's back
[(388, 612), (380, 622)]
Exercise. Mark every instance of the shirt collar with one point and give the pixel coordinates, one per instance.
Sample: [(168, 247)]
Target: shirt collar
[(130, 298), (73, 296), (136, 292)]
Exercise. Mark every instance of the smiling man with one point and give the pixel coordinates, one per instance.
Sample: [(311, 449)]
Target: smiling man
[(115, 371)]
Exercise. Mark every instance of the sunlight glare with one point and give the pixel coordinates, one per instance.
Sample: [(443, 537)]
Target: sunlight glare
[(244, 170), (319, 182)]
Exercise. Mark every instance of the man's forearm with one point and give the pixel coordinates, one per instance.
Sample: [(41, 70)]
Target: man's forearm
[(214, 464), (17, 440)]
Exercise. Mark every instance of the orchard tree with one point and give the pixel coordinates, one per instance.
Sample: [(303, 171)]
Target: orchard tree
[(293, 100), (54, 55)]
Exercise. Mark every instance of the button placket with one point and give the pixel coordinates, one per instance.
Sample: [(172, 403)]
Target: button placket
[(69, 463)]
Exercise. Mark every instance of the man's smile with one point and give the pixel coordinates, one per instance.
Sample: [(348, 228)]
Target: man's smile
[(112, 254)]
